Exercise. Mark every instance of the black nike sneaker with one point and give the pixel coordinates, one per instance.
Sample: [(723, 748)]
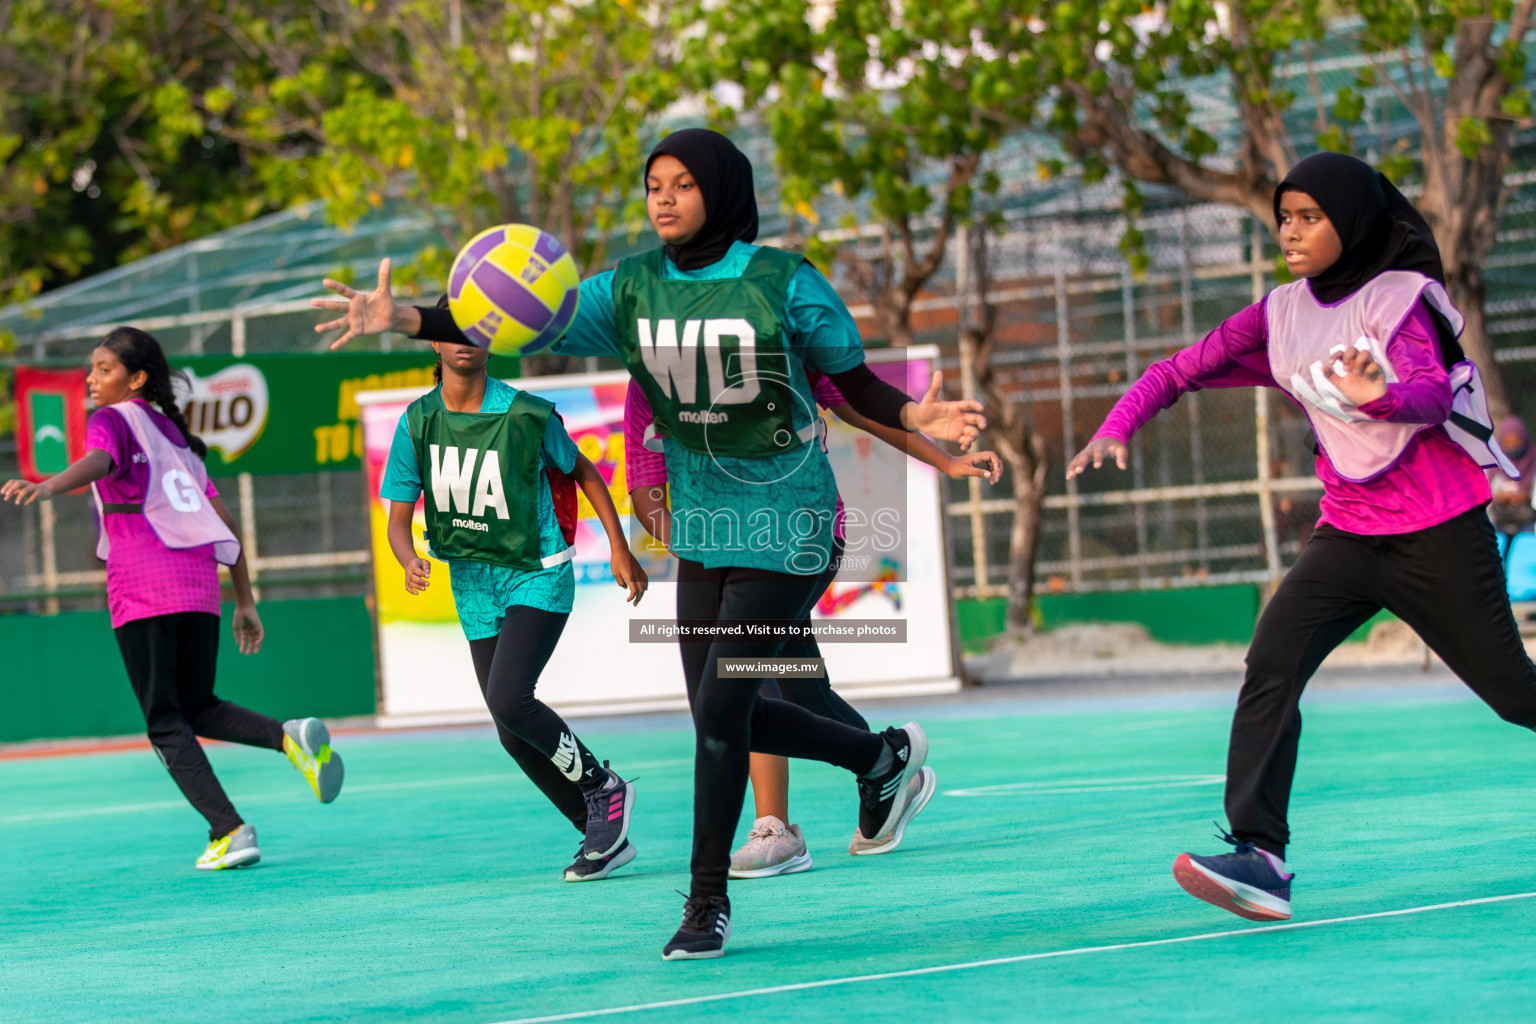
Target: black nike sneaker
[(887, 803), (705, 930), (584, 870)]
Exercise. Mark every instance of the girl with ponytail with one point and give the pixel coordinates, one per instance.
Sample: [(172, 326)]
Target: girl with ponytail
[(164, 532)]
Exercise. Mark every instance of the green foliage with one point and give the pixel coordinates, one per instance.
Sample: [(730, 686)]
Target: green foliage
[(894, 102), (104, 157), (7, 388), (532, 111)]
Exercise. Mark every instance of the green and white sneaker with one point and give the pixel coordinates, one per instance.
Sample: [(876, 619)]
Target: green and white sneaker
[(772, 848), (307, 742), (235, 850)]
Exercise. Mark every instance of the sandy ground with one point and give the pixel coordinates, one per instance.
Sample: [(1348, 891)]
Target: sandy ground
[(1127, 649)]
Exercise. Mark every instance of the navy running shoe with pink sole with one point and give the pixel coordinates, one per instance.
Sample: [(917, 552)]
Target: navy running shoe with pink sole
[(1244, 882)]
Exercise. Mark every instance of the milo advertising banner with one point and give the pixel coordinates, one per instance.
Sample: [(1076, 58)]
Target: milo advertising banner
[(289, 413), (615, 657)]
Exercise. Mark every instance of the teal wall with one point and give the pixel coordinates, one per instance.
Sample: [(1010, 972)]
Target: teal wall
[(63, 676)]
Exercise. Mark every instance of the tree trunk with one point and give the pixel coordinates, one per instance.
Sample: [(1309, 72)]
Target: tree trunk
[(1026, 458), (1008, 428), (1468, 292)]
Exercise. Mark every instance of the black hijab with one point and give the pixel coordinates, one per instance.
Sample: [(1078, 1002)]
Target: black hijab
[(724, 176), (1378, 226)]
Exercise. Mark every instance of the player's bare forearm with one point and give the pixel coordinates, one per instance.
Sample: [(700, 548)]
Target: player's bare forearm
[(651, 509), (239, 573), (904, 441), (591, 482), (401, 544), (93, 466)]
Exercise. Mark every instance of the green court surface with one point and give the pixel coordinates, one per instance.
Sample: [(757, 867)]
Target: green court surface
[(1036, 886)]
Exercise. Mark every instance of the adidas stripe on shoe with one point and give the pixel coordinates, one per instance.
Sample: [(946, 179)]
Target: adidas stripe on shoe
[(888, 803), (705, 930), (920, 791)]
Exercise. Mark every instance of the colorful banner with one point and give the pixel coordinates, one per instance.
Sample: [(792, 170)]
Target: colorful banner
[(50, 420), (289, 413), (895, 558)]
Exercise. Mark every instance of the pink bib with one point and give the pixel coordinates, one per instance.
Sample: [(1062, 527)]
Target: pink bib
[(175, 501), (1305, 335)]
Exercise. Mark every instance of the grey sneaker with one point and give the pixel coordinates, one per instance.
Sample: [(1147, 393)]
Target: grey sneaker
[(919, 791), (232, 851), (307, 742), (772, 848)]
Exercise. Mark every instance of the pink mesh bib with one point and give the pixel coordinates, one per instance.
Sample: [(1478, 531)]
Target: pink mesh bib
[(1305, 335), (175, 501)]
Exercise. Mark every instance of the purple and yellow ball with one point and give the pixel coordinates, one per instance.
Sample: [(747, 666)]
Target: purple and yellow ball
[(513, 289)]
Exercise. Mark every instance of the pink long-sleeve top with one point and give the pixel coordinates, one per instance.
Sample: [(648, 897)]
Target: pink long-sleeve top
[(1432, 481), (645, 468)]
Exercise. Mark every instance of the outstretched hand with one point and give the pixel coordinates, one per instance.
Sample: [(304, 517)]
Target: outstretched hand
[(983, 464), (23, 492), (1096, 452), (372, 313), (960, 421), (1362, 379)]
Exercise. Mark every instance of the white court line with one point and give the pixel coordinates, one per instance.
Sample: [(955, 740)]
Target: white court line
[(267, 798), (1050, 787), (945, 968)]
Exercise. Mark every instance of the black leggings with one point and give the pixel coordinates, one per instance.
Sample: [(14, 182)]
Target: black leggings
[(171, 661), (815, 695), (731, 720), (1445, 582), (538, 739)]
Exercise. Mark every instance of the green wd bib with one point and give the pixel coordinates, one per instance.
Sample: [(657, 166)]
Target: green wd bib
[(712, 356), (481, 477)]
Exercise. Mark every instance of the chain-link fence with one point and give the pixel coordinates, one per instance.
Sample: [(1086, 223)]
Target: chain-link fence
[(1220, 488)]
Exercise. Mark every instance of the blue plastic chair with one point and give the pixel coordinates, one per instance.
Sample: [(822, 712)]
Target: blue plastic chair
[(1521, 567)]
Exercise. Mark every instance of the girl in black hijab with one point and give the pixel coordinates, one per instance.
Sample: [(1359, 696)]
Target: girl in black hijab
[(1362, 343), (721, 335)]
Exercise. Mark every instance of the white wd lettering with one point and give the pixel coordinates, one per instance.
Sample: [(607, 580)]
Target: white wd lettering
[(490, 490), (181, 489), (746, 348), (674, 368), (449, 479)]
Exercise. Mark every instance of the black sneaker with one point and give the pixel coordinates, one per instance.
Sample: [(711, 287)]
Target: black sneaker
[(1245, 881), (608, 808), (887, 803), (705, 930), (584, 870)]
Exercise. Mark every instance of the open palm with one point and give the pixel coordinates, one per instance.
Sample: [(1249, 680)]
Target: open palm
[(960, 421), (370, 313)]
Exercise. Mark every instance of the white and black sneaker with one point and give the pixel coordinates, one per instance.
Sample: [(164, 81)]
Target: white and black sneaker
[(889, 801), (705, 930), (584, 870)]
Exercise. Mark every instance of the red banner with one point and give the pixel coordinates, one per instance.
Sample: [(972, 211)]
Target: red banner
[(50, 420)]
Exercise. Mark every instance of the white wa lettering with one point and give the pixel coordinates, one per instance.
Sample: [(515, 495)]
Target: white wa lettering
[(490, 490), (674, 368), (451, 479), (746, 349)]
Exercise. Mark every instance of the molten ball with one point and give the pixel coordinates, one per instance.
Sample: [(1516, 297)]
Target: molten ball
[(513, 289)]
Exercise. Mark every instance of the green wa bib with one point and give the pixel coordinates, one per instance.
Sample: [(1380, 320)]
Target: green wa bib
[(480, 472), (713, 356)]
